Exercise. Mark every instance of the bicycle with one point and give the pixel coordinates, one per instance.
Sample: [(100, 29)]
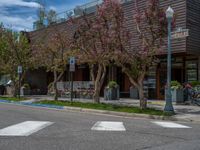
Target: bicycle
[(194, 94)]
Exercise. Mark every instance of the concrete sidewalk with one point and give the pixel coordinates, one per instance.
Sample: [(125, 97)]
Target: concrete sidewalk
[(183, 112)]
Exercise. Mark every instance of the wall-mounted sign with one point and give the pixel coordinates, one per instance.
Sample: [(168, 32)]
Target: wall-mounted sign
[(180, 33)]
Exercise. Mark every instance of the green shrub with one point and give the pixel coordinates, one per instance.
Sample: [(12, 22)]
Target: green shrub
[(26, 85), (112, 84), (195, 83), (176, 85)]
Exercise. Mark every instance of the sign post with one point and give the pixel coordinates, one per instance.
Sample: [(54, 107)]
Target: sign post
[(19, 71), (72, 65)]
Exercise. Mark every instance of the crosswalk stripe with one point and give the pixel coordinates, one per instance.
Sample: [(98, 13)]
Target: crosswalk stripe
[(25, 128), (108, 126), (170, 124)]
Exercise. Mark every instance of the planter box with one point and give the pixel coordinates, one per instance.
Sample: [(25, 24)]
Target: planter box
[(27, 91), (134, 94), (111, 93), (86, 96), (177, 95), (9, 90)]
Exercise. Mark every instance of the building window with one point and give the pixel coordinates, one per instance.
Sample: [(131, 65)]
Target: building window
[(150, 83), (191, 71)]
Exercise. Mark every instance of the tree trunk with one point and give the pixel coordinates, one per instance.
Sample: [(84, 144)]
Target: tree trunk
[(96, 95), (139, 85), (14, 90), (56, 91), (56, 79), (14, 87), (143, 101), (98, 79)]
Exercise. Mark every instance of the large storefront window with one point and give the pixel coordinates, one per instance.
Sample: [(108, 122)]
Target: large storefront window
[(191, 71)]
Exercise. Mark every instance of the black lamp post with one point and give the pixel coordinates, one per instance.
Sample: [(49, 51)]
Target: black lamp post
[(168, 105)]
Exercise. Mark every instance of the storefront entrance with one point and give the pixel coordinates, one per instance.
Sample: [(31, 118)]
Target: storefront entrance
[(161, 81), (177, 74)]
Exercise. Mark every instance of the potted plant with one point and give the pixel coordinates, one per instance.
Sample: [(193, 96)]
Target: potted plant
[(26, 89), (177, 92), (111, 92), (195, 83)]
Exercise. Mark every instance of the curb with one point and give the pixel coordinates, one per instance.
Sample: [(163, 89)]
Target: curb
[(187, 119), (131, 115), (32, 104), (121, 114), (105, 112)]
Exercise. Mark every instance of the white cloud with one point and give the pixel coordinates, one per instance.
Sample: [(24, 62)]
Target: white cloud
[(22, 3), (17, 23), (18, 20)]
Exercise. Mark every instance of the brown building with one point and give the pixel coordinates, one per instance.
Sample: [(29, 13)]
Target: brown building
[(185, 51)]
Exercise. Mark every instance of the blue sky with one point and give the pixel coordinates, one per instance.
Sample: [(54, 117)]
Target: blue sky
[(20, 14)]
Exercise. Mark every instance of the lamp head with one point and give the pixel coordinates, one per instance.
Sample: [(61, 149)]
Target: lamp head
[(169, 13)]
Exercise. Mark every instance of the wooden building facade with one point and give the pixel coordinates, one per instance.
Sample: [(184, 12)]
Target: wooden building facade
[(185, 51)]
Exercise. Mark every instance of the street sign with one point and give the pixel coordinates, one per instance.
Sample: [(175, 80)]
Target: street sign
[(19, 69), (72, 68), (72, 63), (180, 33)]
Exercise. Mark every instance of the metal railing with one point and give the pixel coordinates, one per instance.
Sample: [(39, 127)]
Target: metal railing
[(64, 16), (78, 10)]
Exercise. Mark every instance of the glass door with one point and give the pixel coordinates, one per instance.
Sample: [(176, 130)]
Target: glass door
[(161, 82)]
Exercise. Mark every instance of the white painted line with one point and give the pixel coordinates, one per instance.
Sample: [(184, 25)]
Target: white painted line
[(108, 126), (25, 128), (170, 125)]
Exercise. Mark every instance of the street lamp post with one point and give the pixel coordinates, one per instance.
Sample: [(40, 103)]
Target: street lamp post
[(168, 105), (19, 70)]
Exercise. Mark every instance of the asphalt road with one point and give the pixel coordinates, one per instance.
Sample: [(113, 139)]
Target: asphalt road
[(72, 131)]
